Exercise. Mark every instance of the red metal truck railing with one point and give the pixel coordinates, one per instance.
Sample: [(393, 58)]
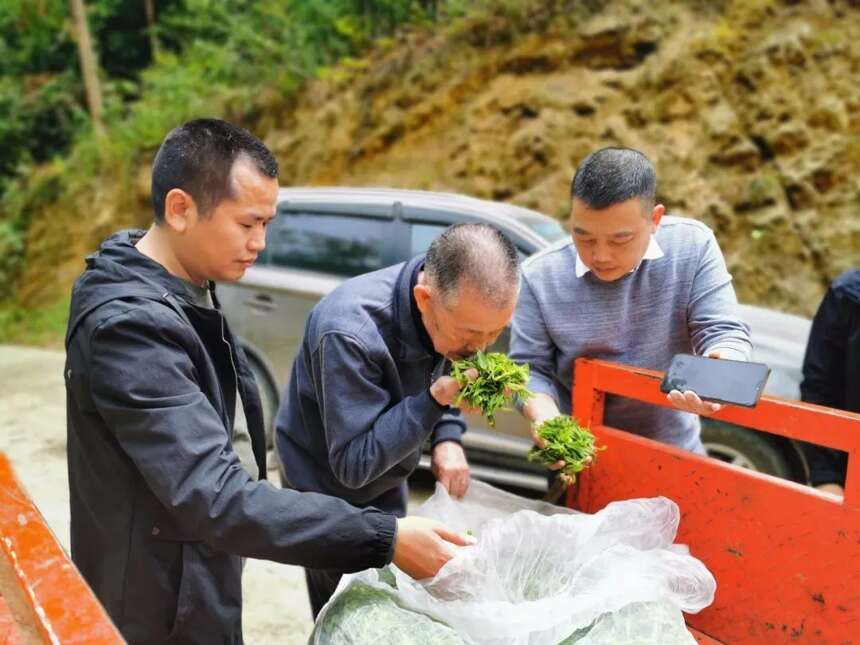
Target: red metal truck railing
[(42, 596), (786, 557)]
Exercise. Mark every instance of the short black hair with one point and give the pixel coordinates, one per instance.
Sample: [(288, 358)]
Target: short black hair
[(198, 158), (477, 254), (613, 175)]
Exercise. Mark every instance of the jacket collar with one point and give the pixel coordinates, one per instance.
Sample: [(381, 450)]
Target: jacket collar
[(407, 330), (118, 270), (119, 253)]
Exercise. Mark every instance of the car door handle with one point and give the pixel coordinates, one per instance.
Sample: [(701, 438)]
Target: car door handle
[(261, 302)]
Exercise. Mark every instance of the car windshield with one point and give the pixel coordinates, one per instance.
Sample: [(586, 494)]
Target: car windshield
[(547, 228)]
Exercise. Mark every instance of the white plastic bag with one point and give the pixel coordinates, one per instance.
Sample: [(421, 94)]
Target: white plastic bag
[(542, 574), (480, 504)]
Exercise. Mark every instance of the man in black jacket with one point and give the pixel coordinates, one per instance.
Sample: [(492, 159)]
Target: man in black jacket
[(831, 372), (162, 508)]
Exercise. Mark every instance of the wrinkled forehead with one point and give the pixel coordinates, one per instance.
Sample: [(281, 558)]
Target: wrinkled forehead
[(475, 310)]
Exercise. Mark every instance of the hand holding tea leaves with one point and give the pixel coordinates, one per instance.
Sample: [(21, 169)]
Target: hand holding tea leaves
[(563, 440), (446, 390), (490, 382)]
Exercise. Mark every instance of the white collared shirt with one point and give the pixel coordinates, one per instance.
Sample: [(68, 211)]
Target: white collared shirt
[(651, 253)]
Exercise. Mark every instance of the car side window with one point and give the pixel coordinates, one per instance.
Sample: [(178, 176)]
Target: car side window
[(420, 238), (343, 245), (421, 235)]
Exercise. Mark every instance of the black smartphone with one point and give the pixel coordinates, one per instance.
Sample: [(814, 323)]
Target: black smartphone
[(716, 379)]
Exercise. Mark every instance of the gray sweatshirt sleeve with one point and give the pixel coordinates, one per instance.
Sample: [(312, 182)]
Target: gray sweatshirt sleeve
[(366, 434), (531, 343), (712, 314)]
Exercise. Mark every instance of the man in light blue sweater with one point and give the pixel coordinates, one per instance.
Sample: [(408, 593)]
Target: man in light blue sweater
[(632, 286)]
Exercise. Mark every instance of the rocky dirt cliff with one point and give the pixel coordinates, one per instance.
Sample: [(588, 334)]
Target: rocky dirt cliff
[(750, 111)]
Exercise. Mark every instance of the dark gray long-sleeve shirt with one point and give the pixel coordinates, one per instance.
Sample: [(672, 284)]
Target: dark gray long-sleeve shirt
[(358, 407)]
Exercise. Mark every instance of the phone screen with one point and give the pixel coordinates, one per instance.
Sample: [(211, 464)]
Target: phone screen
[(719, 380)]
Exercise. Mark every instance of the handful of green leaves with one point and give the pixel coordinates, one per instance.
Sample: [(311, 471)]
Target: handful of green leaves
[(500, 382), (566, 441)]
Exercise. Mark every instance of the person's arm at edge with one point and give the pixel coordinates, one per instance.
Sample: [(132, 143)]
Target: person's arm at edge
[(823, 384)]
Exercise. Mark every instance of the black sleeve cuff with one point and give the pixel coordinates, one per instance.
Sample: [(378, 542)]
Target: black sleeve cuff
[(448, 430), (386, 533)]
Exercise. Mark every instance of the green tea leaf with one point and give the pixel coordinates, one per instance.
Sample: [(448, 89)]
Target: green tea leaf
[(500, 383), (566, 441)]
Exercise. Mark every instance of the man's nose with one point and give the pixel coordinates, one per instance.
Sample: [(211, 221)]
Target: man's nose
[(485, 341), (258, 241), (601, 253)]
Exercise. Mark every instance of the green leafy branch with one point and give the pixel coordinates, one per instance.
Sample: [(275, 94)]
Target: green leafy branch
[(565, 440)]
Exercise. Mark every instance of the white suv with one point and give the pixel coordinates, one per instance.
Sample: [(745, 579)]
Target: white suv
[(322, 236)]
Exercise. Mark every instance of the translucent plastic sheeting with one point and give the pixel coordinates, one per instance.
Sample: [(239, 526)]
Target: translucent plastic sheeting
[(538, 574), (640, 623)]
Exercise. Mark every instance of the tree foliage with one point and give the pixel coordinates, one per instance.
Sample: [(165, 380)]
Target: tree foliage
[(214, 57), (206, 47)]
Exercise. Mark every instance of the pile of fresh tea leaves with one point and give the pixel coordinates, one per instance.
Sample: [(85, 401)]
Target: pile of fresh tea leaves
[(567, 441), (499, 384), (372, 614)]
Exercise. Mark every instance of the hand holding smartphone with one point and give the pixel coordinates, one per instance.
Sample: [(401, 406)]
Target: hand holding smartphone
[(717, 380)]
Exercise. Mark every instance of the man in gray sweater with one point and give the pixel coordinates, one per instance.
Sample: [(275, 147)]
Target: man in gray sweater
[(632, 286)]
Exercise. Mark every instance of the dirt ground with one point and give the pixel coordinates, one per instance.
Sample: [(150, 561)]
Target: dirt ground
[(33, 435)]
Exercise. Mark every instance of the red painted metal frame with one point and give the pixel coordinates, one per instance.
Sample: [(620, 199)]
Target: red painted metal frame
[(63, 607), (786, 557)]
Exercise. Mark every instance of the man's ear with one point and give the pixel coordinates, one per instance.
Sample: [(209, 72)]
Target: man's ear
[(180, 211), (423, 295), (656, 216)]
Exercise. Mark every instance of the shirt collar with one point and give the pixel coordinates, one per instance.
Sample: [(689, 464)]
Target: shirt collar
[(423, 336), (407, 327), (651, 253)]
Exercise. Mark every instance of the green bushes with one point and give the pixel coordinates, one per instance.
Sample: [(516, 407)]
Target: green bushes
[(229, 59)]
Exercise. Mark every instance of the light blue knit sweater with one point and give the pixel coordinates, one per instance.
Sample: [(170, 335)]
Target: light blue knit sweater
[(681, 302)]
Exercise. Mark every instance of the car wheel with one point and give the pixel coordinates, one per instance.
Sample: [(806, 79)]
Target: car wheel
[(743, 447)]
